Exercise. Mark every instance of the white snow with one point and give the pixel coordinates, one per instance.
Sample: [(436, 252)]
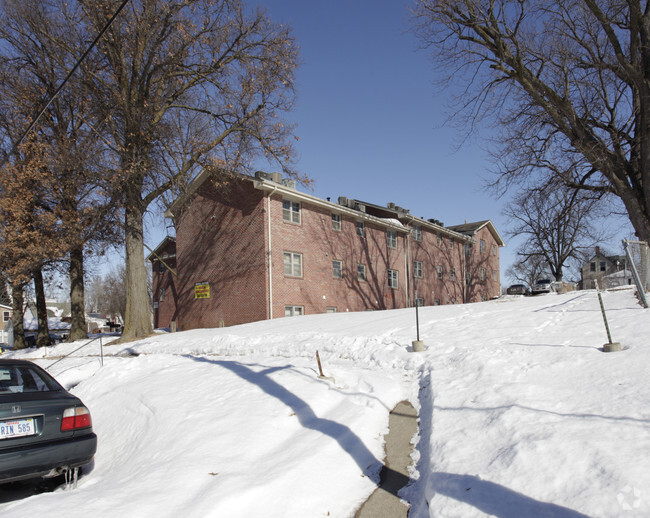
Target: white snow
[(521, 414)]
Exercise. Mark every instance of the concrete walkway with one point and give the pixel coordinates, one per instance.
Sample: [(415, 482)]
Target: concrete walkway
[(384, 502)]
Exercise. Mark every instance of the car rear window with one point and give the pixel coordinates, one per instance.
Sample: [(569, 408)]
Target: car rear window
[(25, 378)]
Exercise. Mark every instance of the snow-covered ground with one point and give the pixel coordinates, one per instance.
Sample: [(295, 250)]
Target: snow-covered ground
[(521, 414)]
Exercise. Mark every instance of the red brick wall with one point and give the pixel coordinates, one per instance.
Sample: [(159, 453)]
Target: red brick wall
[(485, 262), (433, 254), (223, 239), (319, 245), (164, 279), (220, 240)]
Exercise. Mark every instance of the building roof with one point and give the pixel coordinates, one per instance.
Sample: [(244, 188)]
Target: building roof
[(391, 216), (473, 228), (159, 251)]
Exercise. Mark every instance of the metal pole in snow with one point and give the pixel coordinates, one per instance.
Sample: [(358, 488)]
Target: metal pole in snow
[(417, 316)]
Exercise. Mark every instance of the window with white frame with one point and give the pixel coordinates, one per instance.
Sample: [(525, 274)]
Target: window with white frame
[(337, 269), (494, 249), (482, 245), (361, 231), (438, 238), (391, 238), (293, 311), (162, 294), (393, 279), (603, 266), (361, 272), (336, 222), (468, 249), (482, 274), (417, 232), (330, 309), (451, 242), (291, 211), (468, 278), (417, 269), (452, 274), (439, 272), (5, 316), (495, 274), (293, 264)]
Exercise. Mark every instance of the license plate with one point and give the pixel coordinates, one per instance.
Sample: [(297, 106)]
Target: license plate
[(17, 428)]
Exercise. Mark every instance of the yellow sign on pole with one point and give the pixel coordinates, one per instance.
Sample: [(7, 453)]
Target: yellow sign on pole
[(202, 290)]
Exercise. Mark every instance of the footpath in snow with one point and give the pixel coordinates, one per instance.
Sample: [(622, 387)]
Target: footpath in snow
[(520, 414)]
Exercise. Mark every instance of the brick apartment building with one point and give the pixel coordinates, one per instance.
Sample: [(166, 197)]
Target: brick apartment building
[(257, 248)]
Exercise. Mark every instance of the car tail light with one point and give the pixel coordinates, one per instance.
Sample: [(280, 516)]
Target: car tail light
[(75, 419)]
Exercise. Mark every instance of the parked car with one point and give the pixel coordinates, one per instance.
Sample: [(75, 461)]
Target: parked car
[(542, 286), (518, 289), (44, 430)]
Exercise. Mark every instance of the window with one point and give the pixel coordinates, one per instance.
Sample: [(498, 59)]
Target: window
[(436, 302), (438, 238), (482, 274), (391, 238), (603, 266), (494, 249), (291, 211), (393, 279), (330, 309), (337, 269), (452, 274), (360, 229), (293, 311), (439, 272), (336, 222), (361, 272), (468, 249), (417, 269), (451, 243), (468, 278), (162, 294), (482, 245), (419, 302), (592, 267), (417, 232), (5, 316), (293, 264), (496, 275)]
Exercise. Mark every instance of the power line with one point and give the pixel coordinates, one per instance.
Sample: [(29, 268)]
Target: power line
[(72, 71)]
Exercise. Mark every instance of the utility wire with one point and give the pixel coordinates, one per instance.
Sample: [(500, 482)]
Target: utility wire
[(72, 71)]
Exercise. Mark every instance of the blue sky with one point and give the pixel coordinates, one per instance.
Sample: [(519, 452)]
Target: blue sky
[(370, 121)]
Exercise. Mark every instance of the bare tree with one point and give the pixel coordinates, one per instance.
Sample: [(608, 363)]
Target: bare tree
[(528, 270), (184, 86), (557, 224), (567, 80), (34, 62)]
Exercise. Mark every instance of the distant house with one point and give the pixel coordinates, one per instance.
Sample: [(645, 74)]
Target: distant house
[(606, 269), (59, 330), (260, 249)]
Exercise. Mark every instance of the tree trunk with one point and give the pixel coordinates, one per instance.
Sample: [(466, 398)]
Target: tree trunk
[(77, 303), (17, 316), (137, 321), (43, 338)]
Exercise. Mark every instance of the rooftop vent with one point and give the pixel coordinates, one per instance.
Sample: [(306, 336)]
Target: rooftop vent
[(343, 201), (262, 175), (391, 205), (291, 184), (276, 177)]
